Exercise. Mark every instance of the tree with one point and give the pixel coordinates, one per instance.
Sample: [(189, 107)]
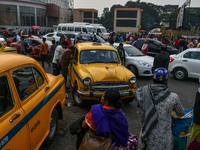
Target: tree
[(191, 19)]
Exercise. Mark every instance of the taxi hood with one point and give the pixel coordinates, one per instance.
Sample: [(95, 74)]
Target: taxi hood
[(105, 72)]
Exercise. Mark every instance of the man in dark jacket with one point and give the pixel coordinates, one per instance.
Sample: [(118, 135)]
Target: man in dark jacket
[(122, 54), (65, 62), (162, 59)]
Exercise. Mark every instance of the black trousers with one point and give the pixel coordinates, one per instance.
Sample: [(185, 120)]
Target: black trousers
[(44, 58)]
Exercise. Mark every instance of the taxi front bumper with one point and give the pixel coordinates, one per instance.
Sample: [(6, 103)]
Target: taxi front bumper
[(92, 94)]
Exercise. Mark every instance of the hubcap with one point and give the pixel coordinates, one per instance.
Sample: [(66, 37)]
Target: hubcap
[(180, 74), (77, 97), (52, 125)]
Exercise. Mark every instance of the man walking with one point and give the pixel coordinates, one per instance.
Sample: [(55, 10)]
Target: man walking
[(157, 104), (162, 59), (43, 53), (58, 57), (23, 46), (69, 41), (52, 50), (122, 54), (65, 61), (145, 47)]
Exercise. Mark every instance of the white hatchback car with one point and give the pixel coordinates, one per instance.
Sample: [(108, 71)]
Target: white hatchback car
[(57, 36), (185, 64), (137, 62), (49, 36)]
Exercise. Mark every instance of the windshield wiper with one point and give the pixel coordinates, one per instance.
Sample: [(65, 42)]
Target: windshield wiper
[(96, 62), (112, 62)]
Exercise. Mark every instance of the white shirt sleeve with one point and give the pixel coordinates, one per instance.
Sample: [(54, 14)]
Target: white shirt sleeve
[(56, 54)]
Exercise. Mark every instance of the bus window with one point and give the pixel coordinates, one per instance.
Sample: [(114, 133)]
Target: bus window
[(64, 28), (77, 29), (70, 29), (98, 30), (85, 30), (59, 28)]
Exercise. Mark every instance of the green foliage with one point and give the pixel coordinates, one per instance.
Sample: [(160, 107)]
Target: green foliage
[(151, 16), (191, 19)]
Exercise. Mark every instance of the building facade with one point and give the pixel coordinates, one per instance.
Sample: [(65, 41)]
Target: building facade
[(85, 15), (26, 13), (127, 19)]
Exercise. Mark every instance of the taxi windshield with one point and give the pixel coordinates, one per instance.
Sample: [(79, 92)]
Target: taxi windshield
[(98, 56)]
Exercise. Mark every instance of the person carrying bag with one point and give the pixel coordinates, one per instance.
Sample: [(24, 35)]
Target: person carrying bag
[(108, 126)]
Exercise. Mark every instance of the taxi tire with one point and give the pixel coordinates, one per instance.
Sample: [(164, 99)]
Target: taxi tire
[(51, 136), (79, 102), (128, 100)]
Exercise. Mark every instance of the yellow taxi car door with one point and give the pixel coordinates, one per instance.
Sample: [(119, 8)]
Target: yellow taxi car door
[(31, 87), (13, 121), (73, 62)]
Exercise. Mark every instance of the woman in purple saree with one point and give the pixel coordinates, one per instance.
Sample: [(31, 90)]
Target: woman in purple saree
[(107, 118)]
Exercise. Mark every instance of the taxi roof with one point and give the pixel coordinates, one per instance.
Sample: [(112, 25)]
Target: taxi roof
[(93, 45), (12, 60)]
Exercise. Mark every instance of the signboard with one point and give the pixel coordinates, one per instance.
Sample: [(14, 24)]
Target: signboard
[(187, 2), (180, 17), (139, 26)]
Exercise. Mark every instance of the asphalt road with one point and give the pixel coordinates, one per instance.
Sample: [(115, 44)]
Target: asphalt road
[(65, 141)]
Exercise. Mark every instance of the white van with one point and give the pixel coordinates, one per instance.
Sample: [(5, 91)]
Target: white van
[(75, 27), (101, 30)]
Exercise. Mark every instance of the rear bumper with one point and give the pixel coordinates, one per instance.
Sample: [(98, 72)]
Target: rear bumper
[(92, 94)]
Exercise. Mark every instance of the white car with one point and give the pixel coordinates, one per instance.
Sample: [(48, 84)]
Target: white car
[(185, 64), (49, 36), (3, 41), (137, 62), (57, 36)]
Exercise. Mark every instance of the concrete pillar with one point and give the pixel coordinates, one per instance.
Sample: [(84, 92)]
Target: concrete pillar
[(35, 16), (18, 16)]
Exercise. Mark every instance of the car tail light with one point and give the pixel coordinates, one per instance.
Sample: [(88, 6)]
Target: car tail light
[(171, 59)]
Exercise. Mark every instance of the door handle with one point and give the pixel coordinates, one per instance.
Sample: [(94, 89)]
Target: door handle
[(185, 60), (46, 89), (11, 120)]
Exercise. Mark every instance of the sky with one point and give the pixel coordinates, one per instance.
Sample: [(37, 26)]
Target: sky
[(101, 4)]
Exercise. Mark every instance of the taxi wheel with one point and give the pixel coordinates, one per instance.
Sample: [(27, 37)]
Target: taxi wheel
[(128, 100), (53, 127), (79, 102)]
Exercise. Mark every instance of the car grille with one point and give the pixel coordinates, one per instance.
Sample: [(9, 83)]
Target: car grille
[(102, 86)]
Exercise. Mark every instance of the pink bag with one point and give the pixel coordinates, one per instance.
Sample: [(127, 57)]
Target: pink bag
[(194, 145)]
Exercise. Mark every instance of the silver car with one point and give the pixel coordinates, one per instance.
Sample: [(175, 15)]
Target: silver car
[(137, 62)]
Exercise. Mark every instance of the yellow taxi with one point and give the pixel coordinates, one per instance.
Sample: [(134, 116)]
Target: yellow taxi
[(31, 102), (4, 48), (96, 67)]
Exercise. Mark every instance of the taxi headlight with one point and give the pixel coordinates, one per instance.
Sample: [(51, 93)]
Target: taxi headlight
[(132, 80), (86, 81)]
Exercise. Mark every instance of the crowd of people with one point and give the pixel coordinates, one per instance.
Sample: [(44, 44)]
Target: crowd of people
[(11, 32), (180, 43)]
